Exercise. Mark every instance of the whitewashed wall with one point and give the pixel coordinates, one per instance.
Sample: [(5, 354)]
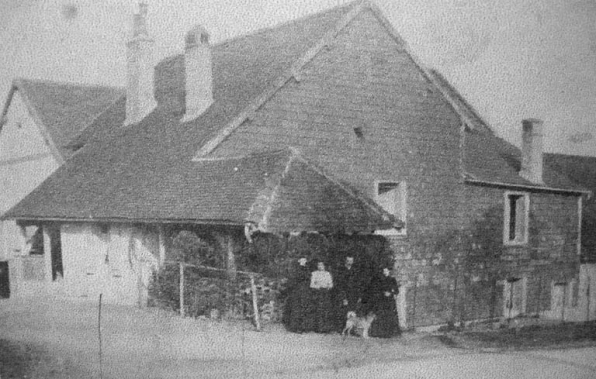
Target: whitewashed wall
[(25, 161), (116, 261)]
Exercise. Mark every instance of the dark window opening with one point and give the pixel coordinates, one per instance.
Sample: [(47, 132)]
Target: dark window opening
[(516, 218)]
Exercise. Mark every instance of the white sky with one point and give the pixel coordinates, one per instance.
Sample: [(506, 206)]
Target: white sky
[(511, 59)]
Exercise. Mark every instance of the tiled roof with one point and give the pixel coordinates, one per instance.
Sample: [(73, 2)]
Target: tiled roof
[(581, 170), (489, 158), (278, 191), (121, 164), (146, 171), (65, 110), (243, 68)]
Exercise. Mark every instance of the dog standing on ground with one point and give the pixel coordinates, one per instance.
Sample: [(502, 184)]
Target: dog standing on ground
[(360, 324)]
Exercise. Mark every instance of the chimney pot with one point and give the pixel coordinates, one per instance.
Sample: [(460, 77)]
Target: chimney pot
[(532, 150)]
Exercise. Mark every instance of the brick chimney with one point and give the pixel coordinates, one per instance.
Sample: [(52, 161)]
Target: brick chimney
[(198, 72), (140, 100), (532, 141)]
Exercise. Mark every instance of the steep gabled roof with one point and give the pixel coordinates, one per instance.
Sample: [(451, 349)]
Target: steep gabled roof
[(120, 164), (63, 110), (490, 159), (243, 69), (277, 191), (146, 171)]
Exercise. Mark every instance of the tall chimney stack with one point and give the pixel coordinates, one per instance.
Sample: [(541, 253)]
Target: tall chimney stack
[(532, 149), (198, 72), (140, 99)]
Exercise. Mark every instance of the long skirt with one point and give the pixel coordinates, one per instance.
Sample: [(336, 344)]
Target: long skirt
[(323, 315), (299, 310), (386, 324)]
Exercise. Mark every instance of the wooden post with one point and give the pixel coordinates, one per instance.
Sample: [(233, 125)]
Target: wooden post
[(255, 305), (588, 300), (47, 252), (182, 289), (564, 300), (161, 237)]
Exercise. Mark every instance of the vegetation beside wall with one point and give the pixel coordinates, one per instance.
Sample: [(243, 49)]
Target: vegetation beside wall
[(212, 289)]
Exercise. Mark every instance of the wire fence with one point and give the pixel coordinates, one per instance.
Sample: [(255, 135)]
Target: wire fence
[(202, 291)]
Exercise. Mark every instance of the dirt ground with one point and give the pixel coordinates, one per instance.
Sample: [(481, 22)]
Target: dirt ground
[(50, 338), (148, 343)]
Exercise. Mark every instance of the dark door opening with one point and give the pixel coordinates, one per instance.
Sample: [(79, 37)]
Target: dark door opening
[(4, 281), (56, 252)]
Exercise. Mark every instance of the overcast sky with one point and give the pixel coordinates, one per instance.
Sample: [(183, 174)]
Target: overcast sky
[(511, 59)]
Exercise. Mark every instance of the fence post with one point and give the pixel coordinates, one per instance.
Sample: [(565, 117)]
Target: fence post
[(255, 306), (454, 306), (588, 300), (414, 305), (182, 289)]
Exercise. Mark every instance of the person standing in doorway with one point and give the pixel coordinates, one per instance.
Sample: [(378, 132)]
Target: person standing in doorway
[(348, 291), (384, 293), (321, 284), (298, 308)]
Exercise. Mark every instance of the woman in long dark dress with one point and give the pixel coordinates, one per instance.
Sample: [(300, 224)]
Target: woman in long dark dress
[(298, 309), (321, 284), (384, 292)]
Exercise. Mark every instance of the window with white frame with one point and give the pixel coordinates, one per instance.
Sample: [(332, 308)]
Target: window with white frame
[(516, 220), (392, 197)]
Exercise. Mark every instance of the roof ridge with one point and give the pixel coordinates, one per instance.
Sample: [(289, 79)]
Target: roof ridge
[(208, 147), (351, 192), (252, 154), (275, 191), (107, 108)]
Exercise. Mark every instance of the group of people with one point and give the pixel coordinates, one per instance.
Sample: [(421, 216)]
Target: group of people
[(319, 301)]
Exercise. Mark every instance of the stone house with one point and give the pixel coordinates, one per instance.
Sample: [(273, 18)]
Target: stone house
[(325, 124)]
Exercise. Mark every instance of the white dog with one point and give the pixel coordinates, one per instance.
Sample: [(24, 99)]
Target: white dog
[(360, 324)]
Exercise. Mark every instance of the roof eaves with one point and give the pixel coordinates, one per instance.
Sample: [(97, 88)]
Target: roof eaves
[(7, 216), (292, 72), (469, 179), (19, 85)]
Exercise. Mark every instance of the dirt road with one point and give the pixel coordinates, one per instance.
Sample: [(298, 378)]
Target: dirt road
[(146, 343)]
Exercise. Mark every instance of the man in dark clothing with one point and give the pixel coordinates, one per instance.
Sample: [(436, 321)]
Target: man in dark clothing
[(349, 291)]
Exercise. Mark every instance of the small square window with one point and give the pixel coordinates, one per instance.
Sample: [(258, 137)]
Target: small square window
[(392, 197), (516, 220)]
